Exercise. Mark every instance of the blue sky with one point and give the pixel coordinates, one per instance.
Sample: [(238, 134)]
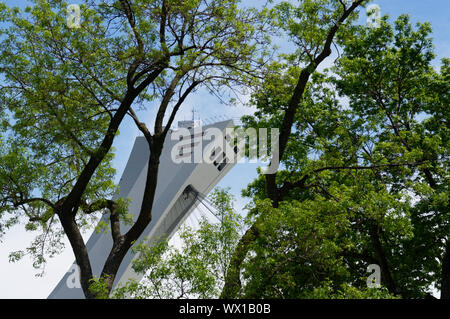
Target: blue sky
[(19, 281)]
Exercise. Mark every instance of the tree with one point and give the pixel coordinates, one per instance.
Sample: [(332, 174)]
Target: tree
[(299, 247), (197, 269), (362, 183), (399, 101), (313, 238), (313, 26), (66, 91)]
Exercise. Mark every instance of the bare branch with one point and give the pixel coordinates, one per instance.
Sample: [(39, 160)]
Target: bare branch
[(141, 126)]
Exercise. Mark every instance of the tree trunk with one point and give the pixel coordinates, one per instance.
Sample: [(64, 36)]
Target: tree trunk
[(122, 244), (79, 249), (445, 276), (386, 277), (232, 279)]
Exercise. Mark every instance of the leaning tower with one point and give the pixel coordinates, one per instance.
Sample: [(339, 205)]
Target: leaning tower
[(178, 190)]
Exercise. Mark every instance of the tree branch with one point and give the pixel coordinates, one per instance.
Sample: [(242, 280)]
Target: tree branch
[(291, 111), (31, 200), (141, 126)]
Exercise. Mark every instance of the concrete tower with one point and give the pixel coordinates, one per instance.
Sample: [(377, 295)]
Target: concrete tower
[(179, 185)]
